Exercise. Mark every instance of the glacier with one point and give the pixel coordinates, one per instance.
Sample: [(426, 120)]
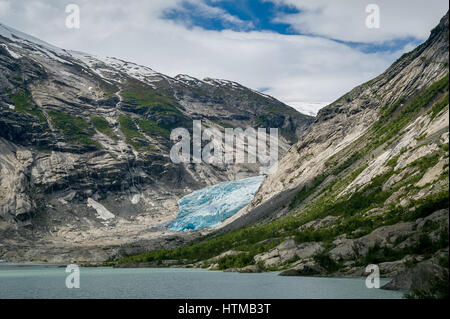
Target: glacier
[(209, 206)]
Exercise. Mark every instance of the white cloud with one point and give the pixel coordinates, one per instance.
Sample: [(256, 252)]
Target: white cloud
[(304, 71), (345, 19)]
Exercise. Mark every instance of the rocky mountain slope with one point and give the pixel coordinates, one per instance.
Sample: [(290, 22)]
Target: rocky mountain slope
[(366, 184), (85, 144)]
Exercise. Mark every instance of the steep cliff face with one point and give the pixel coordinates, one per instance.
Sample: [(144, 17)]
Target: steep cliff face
[(367, 183), (369, 180), (347, 125), (85, 143)]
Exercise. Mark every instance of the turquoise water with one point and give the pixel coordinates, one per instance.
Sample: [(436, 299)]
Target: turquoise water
[(48, 282), (209, 206)]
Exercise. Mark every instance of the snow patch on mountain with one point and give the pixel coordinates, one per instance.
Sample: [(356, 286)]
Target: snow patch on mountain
[(102, 212), (109, 68), (11, 53), (40, 47), (309, 108)]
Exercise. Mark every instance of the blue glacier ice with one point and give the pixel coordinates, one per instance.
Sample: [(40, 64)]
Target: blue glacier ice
[(209, 206)]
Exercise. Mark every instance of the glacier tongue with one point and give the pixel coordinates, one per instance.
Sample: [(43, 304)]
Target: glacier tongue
[(209, 206)]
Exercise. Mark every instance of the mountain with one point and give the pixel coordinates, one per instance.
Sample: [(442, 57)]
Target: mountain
[(366, 184), (85, 144)]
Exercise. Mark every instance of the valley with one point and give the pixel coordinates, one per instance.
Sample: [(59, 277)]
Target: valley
[(86, 173), (367, 184), (89, 134)]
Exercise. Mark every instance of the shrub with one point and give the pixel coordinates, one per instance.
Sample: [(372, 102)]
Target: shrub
[(438, 290), (324, 260), (235, 261)]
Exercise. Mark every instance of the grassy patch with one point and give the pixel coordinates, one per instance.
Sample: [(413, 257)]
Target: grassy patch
[(132, 134), (102, 126), (438, 107), (74, 128), (24, 104), (223, 124), (425, 162), (308, 190), (152, 128), (393, 119), (146, 100)]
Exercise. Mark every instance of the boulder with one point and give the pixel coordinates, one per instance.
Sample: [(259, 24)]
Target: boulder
[(309, 268), (418, 277), (319, 223), (346, 248), (290, 272), (251, 269), (288, 250)]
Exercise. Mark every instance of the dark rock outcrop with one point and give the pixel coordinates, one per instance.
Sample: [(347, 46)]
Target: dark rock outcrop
[(418, 277)]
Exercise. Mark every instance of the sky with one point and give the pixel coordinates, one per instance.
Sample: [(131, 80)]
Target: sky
[(306, 53)]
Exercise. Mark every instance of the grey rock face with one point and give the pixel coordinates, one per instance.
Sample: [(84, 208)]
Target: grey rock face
[(369, 178), (320, 223), (347, 248), (251, 269), (309, 268), (288, 250), (341, 125), (75, 127), (418, 277)]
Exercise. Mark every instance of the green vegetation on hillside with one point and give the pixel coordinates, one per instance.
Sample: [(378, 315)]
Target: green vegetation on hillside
[(160, 110), (325, 200), (438, 107), (23, 103), (309, 189), (132, 134), (102, 125), (394, 118), (438, 290), (152, 128), (251, 240), (235, 261), (74, 128), (146, 100)]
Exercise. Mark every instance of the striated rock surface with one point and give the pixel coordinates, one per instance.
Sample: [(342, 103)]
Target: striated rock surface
[(342, 128), (366, 184), (85, 144), (287, 251), (419, 277)]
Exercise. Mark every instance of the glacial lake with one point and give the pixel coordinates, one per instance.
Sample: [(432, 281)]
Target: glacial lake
[(48, 282)]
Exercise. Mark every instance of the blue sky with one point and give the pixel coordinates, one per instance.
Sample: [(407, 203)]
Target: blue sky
[(261, 15), (258, 15), (306, 53)]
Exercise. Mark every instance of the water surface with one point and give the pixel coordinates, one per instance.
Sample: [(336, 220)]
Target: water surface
[(48, 282)]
